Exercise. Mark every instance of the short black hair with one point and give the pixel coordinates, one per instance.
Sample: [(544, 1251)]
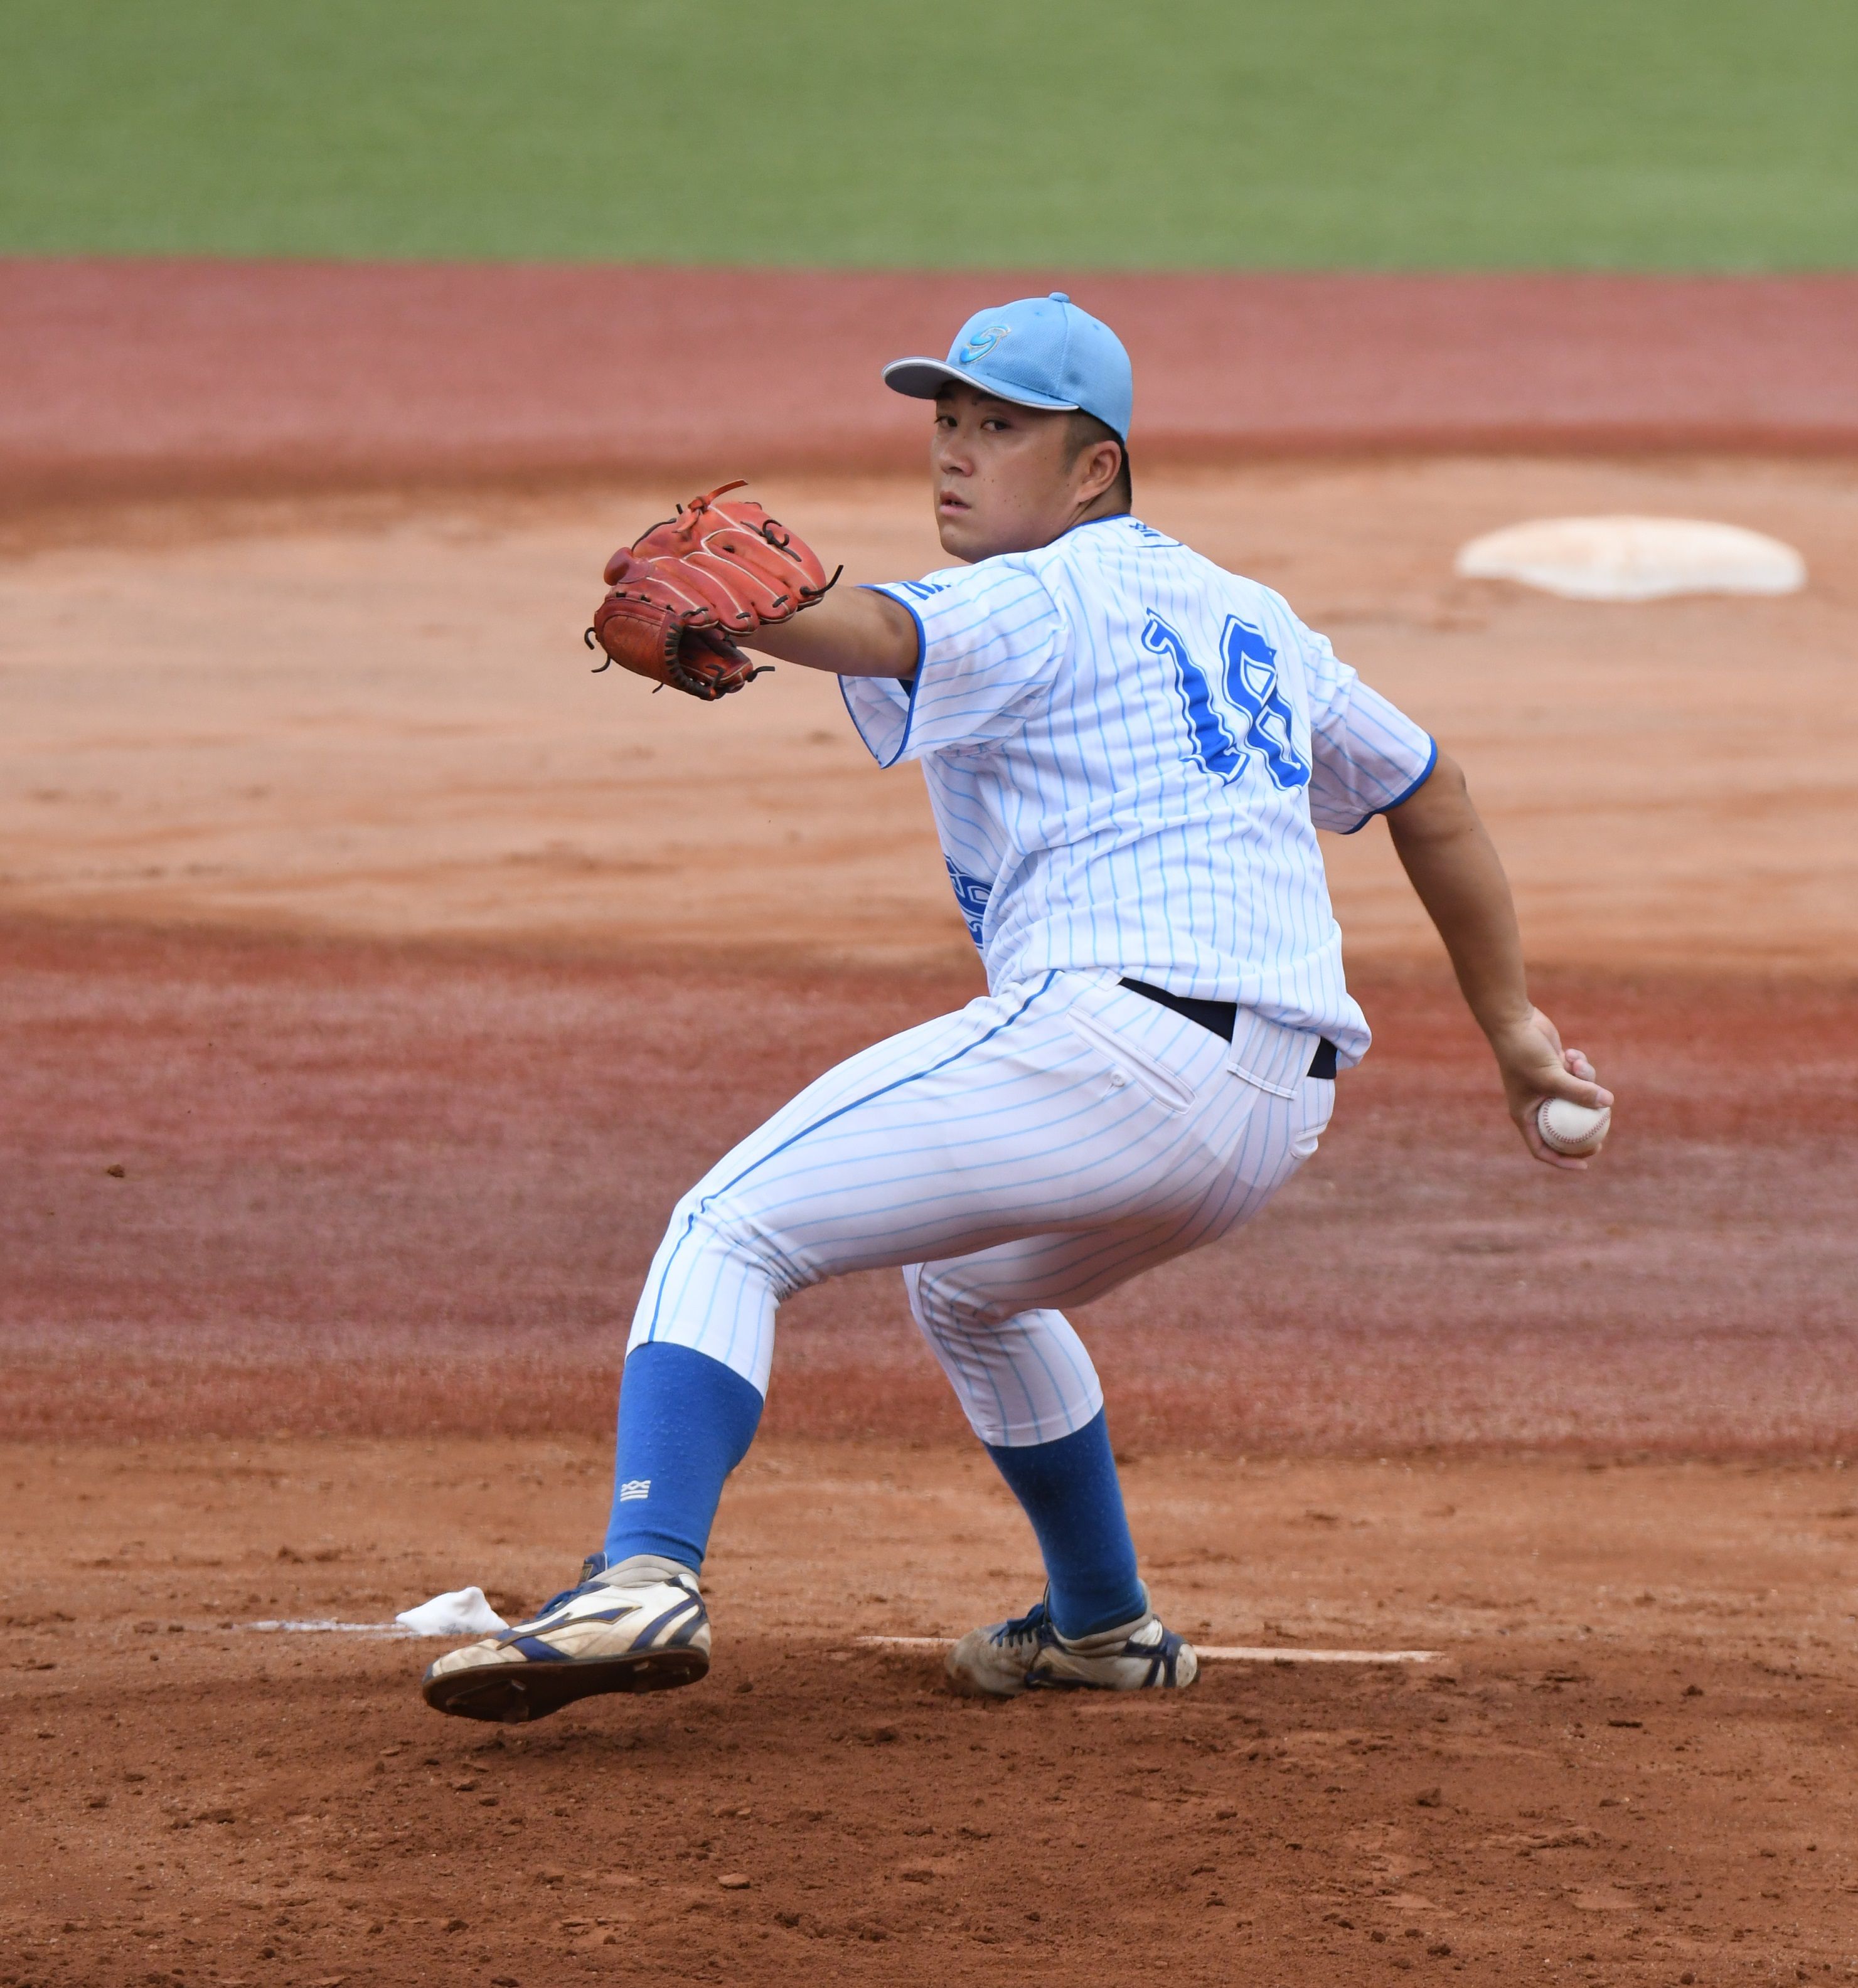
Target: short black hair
[(1086, 431)]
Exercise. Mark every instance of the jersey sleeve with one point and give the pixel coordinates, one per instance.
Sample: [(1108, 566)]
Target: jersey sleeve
[(990, 638), (1367, 755)]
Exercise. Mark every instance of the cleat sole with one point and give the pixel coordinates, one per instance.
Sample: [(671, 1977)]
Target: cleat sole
[(530, 1690)]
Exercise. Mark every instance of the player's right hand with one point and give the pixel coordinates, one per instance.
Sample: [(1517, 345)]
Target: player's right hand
[(1534, 1066)]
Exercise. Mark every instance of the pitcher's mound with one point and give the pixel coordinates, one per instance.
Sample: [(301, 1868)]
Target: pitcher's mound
[(1634, 559)]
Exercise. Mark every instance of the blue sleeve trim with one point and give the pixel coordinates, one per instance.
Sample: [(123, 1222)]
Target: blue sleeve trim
[(909, 717), (1406, 793)]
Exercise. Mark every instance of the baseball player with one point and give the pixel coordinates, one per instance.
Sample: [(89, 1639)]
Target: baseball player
[(1128, 752)]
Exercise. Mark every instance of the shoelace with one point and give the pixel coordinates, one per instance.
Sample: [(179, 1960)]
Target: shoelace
[(1036, 1626), (595, 1562), (1032, 1627)]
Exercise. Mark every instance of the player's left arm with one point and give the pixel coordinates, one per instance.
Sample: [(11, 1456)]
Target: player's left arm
[(1452, 863), (855, 631)]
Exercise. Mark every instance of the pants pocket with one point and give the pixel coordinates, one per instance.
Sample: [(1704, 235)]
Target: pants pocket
[(1162, 1084), (1317, 1097)]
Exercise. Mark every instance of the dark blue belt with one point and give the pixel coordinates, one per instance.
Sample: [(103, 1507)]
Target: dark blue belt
[(1222, 1017)]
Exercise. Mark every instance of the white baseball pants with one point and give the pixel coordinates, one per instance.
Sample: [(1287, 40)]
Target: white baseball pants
[(1035, 1149)]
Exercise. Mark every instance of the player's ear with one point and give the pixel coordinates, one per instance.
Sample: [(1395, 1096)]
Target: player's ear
[(1104, 466)]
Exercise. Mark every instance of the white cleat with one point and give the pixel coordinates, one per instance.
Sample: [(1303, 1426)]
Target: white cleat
[(1027, 1654), (641, 1626)]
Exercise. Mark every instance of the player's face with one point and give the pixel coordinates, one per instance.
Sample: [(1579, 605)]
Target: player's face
[(1004, 478)]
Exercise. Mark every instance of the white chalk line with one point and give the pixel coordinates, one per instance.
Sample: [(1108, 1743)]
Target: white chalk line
[(1217, 1653), (1214, 1653), (334, 1629)]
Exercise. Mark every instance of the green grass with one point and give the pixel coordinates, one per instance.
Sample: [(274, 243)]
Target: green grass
[(1652, 134)]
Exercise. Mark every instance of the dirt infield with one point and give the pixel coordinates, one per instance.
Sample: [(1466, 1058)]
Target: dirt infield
[(369, 736), (373, 719), (367, 1192), (1634, 1766), (374, 981), (122, 378)]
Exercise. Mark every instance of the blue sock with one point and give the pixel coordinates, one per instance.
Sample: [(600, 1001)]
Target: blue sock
[(1069, 1491), (685, 1420)]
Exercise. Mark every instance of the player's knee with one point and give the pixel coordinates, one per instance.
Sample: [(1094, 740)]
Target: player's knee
[(712, 1228), (946, 1308)]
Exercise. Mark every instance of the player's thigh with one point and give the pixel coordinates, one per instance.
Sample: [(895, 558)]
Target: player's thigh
[(1001, 1121), (1072, 1267), (1051, 1273)]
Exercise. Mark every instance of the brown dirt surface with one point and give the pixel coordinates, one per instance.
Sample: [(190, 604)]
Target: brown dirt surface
[(366, 1191), (381, 720), (120, 376), (374, 981), (1634, 1765)]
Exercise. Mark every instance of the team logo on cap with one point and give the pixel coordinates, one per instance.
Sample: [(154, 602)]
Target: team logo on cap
[(982, 342)]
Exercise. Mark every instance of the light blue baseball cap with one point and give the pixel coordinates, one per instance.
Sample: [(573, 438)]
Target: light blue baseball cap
[(1039, 352)]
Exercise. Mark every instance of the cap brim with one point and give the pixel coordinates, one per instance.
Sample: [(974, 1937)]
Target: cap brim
[(923, 379)]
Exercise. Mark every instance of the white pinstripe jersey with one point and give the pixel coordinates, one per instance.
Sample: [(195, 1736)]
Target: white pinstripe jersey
[(1129, 751)]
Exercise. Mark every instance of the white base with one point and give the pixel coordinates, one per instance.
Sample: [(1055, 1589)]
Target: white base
[(1634, 559)]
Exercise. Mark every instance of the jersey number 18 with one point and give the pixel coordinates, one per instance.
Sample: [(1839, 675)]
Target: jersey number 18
[(1250, 683)]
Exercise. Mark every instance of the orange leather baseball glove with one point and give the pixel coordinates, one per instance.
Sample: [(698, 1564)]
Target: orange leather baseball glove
[(683, 591)]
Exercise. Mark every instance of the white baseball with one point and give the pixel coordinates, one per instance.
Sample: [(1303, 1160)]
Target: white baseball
[(1574, 1129)]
